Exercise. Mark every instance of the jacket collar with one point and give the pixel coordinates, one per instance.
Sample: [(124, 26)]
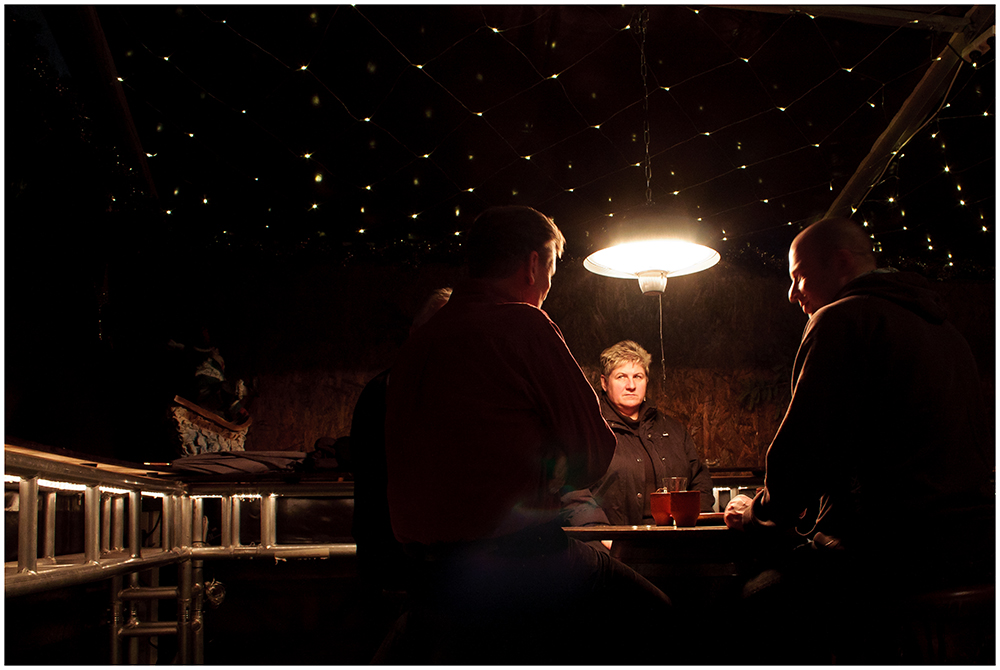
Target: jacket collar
[(614, 418)]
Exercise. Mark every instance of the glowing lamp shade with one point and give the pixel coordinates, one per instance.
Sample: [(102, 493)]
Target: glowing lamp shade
[(652, 261)]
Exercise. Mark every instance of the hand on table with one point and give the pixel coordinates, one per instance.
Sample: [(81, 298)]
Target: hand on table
[(734, 511)]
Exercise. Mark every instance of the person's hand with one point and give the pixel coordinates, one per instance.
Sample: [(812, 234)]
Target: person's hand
[(733, 515)]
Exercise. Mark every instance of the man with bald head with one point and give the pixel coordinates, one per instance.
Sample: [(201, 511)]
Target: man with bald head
[(823, 259), (883, 460)]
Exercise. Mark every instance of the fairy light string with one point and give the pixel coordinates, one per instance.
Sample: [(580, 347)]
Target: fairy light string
[(462, 200)]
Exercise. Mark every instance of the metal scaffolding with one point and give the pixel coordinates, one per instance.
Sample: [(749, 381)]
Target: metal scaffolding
[(119, 503)]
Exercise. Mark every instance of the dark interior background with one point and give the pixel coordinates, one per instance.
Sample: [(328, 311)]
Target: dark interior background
[(157, 177)]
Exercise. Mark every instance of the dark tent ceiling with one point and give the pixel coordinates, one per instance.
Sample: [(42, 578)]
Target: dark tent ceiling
[(381, 130)]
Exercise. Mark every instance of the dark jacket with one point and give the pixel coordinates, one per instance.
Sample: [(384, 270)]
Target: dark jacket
[(886, 440), (523, 423), (654, 447)]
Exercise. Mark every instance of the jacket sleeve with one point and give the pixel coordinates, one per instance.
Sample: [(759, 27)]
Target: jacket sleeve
[(807, 451), (580, 508), (569, 404)]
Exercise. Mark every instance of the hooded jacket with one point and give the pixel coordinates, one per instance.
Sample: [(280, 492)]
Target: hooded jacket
[(885, 445)]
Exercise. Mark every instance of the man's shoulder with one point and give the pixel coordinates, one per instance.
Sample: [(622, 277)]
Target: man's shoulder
[(847, 308), (521, 314)]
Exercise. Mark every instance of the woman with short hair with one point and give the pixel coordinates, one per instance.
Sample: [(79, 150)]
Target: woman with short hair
[(651, 446)]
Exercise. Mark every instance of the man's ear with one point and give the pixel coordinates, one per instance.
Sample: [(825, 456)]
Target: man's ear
[(604, 384), (844, 265), (534, 265)]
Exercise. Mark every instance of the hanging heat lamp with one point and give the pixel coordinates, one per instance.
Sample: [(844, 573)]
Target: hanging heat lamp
[(651, 246), (646, 243)]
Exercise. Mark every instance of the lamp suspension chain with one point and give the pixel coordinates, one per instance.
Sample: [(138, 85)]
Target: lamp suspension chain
[(648, 168)]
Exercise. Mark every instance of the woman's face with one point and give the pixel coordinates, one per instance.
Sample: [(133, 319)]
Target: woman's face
[(626, 388)]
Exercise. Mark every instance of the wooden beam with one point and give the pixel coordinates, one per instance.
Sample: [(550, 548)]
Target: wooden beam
[(924, 101), (878, 15)]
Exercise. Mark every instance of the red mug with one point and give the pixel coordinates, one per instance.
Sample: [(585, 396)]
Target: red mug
[(659, 505), (685, 507)]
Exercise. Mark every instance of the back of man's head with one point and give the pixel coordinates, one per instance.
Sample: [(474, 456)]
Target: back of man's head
[(503, 237)]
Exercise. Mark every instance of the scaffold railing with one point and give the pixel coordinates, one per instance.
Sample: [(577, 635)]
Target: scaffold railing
[(122, 509)]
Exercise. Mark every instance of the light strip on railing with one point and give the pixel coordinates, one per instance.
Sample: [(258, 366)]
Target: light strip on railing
[(48, 483), (61, 486), (69, 486), (238, 496)]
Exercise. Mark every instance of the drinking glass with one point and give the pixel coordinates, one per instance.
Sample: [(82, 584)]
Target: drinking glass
[(672, 484)]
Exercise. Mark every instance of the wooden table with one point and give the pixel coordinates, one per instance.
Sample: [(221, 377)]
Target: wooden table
[(698, 561)]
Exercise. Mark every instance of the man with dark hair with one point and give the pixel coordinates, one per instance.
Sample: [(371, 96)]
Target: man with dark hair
[(504, 236), (884, 458), (489, 420)]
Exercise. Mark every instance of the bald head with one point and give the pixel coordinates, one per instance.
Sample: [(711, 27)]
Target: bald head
[(829, 236), (823, 258)]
